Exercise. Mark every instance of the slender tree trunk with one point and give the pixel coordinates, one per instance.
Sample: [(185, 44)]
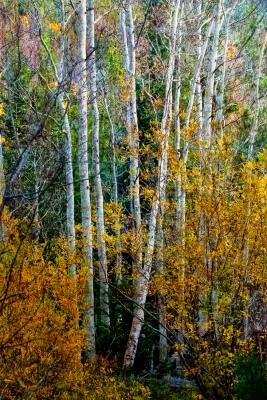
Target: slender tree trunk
[(181, 193), (163, 343), (144, 277), (211, 66), (193, 85), (35, 222), (59, 76), (69, 191), (195, 90), (223, 66), (177, 124), (142, 290), (221, 82), (115, 197), (198, 82), (255, 123), (252, 135), (84, 177), (100, 225), (128, 45), (206, 137), (68, 148)]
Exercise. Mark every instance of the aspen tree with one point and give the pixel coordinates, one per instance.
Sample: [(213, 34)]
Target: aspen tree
[(255, 123), (221, 81), (84, 176), (144, 277), (198, 83), (177, 122), (100, 224), (211, 69), (68, 145), (59, 75), (181, 193), (212, 58), (251, 139), (128, 45), (220, 87), (115, 196)]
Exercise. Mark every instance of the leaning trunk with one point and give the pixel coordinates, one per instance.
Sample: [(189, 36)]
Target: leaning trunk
[(144, 277)]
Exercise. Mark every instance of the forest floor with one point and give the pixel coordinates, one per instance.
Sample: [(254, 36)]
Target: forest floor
[(163, 390)]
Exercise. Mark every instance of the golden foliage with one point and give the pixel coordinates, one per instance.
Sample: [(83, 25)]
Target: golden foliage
[(215, 269), (40, 339), (55, 26), (25, 20)]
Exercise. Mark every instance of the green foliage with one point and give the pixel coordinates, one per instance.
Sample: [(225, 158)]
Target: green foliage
[(251, 379)]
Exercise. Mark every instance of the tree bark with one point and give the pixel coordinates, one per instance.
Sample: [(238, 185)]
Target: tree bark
[(115, 197), (198, 83), (128, 45), (84, 177), (211, 67), (255, 123), (100, 224), (68, 147), (144, 277), (221, 82)]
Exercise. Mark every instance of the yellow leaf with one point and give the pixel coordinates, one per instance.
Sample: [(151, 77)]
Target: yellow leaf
[(55, 26), (25, 20)]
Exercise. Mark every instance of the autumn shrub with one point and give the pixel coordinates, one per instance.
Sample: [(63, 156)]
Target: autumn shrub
[(217, 282), (40, 339)]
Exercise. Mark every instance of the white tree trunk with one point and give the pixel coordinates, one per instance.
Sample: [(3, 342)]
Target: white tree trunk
[(128, 45), (144, 277), (221, 82), (59, 76), (163, 343), (68, 147), (84, 176), (115, 197), (207, 131), (180, 191), (227, 14), (195, 90), (193, 85), (100, 225), (69, 190), (255, 123), (177, 127), (252, 135), (211, 66), (198, 82)]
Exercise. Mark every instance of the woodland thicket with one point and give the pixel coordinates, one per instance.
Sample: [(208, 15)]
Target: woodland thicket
[(133, 198)]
